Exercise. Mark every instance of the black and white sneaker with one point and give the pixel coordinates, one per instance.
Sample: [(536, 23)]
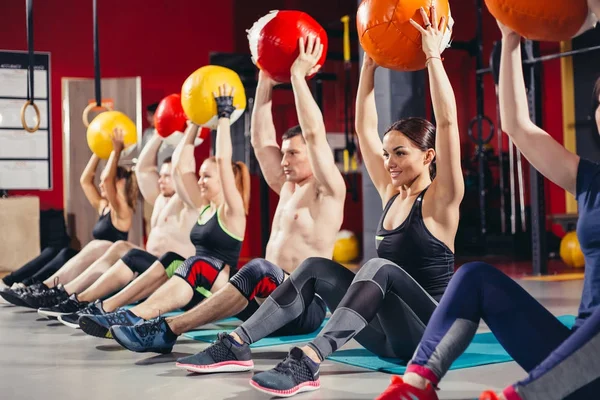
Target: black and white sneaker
[(46, 298), (72, 320), (296, 374), (15, 295), (69, 306)]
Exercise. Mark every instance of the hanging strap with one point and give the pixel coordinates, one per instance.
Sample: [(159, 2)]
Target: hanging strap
[(350, 150), (97, 78), (30, 74)]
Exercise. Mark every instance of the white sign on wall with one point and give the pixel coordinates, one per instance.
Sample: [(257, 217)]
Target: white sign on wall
[(25, 158)]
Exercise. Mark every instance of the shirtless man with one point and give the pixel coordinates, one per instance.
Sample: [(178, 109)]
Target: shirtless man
[(311, 192), (168, 244)]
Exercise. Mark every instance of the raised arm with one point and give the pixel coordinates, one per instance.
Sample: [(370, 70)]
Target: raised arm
[(547, 156), (311, 119), (449, 182), (87, 184), (370, 144), (109, 176), (234, 203), (147, 170), (262, 134), (184, 170)]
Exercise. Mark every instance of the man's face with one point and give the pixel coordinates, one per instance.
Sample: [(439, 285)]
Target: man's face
[(165, 182), (150, 118), (294, 162)]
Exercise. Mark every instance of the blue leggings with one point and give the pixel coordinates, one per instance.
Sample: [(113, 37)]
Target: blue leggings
[(562, 363)]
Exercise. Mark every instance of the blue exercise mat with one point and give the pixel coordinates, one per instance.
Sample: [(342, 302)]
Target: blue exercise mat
[(483, 350), (210, 336)]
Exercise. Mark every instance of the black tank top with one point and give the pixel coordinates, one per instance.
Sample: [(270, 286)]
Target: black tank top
[(105, 230), (428, 260), (212, 240)]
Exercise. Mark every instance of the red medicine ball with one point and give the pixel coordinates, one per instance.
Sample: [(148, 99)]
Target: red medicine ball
[(274, 41), (169, 116)]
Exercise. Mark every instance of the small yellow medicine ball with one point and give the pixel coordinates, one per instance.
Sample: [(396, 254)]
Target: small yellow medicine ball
[(197, 96), (99, 132), (570, 251), (346, 248)]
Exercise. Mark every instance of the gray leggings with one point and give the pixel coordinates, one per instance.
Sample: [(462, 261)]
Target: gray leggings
[(382, 306)]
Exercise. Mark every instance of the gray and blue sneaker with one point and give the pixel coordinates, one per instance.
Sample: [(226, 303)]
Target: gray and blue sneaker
[(153, 336), (99, 325), (296, 374), (72, 320), (224, 355)]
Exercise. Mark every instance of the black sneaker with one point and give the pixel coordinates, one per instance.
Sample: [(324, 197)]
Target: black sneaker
[(15, 296), (225, 355), (296, 374), (46, 298), (72, 320), (68, 306)]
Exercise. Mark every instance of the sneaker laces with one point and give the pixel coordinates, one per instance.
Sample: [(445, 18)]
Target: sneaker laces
[(286, 366), (151, 327)]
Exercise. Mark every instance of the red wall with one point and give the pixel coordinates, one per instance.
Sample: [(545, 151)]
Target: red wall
[(163, 41), (160, 40)]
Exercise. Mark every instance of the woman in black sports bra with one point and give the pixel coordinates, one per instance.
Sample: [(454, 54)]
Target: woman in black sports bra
[(115, 199), (387, 304)]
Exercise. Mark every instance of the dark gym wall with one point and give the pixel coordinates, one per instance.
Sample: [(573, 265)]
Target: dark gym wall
[(284, 112), (461, 71), (586, 71), (160, 40)]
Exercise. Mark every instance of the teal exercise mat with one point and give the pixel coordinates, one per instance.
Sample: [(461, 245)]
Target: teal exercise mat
[(210, 336), (483, 350)]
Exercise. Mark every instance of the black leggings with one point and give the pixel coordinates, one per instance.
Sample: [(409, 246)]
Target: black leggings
[(382, 305), (50, 260)]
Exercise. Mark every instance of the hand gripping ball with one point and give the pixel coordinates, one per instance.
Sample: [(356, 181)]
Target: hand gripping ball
[(543, 20), (169, 116), (274, 41), (99, 132), (197, 97), (386, 35)]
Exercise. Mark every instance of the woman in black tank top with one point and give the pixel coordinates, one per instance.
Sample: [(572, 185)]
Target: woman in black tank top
[(387, 304), (222, 196), (115, 200)]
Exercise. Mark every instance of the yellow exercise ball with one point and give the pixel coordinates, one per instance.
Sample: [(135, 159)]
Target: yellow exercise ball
[(570, 252), (346, 247), (197, 96), (99, 133)]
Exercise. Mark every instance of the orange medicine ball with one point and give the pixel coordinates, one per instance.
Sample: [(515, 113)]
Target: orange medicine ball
[(386, 35)]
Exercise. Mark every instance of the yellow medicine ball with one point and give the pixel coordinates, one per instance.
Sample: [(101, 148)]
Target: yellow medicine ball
[(197, 96), (99, 133), (346, 247), (570, 251)]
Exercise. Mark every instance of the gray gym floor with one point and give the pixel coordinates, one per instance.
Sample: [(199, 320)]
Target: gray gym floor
[(43, 359)]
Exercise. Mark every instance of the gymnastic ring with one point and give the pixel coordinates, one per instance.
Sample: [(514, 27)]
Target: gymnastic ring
[(91, 107), (37, 116)]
